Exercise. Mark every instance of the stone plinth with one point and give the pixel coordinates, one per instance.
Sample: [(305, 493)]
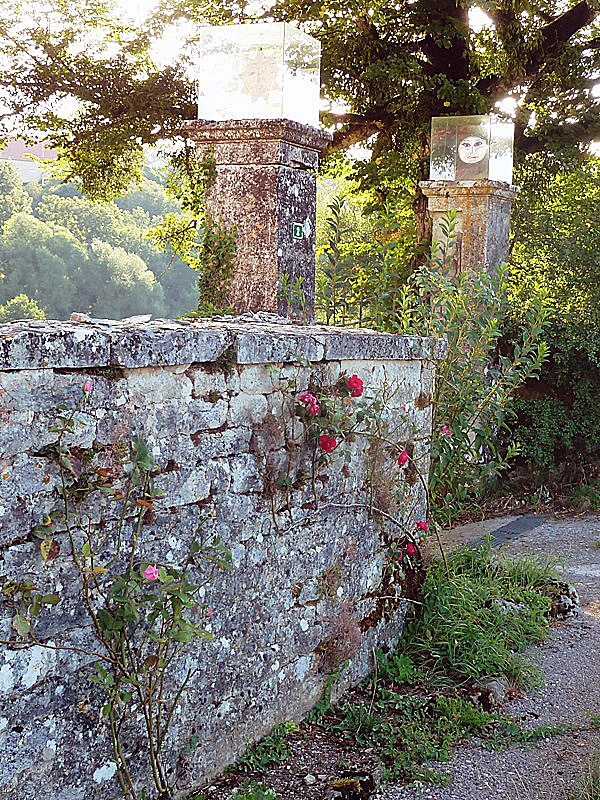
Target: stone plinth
[(265, 189), (483, 209), (310, 580)]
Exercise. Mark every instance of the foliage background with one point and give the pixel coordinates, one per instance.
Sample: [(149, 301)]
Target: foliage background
[(556, 231)]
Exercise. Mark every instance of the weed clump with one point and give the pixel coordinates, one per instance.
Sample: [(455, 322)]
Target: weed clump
[(271, 750), (477, 616), (253, 791), (473, 618)]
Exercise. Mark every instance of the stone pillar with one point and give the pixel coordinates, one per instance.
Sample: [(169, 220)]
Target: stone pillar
[(265, 189), (483, 209)]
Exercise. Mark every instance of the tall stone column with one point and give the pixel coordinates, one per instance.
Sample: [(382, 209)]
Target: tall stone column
[(483, 209), (265, 189)]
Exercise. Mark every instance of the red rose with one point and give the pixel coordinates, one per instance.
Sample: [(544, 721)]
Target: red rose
[(327, 443), (410, 549), (403, 458), (307, 399), (422, 526), (356, 386)]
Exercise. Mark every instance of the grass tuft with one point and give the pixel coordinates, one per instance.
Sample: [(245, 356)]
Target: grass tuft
[(473, 620), (590, 785), (477, 616)]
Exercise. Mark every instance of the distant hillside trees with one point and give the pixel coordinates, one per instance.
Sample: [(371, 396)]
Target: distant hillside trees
[(60, 253)]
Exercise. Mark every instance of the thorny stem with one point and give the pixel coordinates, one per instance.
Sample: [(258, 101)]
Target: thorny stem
[(121, 521), (375, 677), (180, 691), (82, 570), (123, 773), (15, 645)]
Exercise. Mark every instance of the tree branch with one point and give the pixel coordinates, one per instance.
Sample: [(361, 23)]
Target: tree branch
[(357, 130), (584, 132), (553, 37)]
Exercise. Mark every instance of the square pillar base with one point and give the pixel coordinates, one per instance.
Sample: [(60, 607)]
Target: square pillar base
[(483, 209)]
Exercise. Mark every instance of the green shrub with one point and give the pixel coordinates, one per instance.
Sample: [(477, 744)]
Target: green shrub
[(555, 263), (473, 400), (364, 256), (21, 307)]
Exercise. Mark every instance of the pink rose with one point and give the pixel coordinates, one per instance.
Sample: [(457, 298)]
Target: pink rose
[(446, 430), (356, 386), (87, 387), (307, 399), (310, 401), (410, 549), (422, 526), (404, 409), (403, 458), (210, 612), (151, 572), (327, 443)]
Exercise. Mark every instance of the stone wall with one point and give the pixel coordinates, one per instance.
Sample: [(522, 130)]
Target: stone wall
[(215, 403)]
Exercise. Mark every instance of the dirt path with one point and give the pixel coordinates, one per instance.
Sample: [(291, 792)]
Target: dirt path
[(570, 662)]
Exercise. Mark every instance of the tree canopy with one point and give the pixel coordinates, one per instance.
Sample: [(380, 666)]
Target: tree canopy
[(91, 84)]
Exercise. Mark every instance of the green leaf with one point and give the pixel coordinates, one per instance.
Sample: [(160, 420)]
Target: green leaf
[(21, 625), (183, 636), (163, 575), (50, 599), (105, 619), (142, 456)]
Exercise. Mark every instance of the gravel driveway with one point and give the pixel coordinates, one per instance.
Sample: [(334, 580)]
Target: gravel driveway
[(570, 662)]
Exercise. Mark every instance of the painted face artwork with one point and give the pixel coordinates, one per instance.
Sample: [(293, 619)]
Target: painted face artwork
[(472, 150)]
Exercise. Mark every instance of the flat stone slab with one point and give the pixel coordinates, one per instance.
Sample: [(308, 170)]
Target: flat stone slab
[(503, 530), (36, 344), (137, 342)]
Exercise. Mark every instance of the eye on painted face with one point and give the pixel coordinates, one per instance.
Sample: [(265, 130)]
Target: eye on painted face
[(472, 150)]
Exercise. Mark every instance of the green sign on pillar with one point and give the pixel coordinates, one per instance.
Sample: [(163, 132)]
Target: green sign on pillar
[(297, 230)]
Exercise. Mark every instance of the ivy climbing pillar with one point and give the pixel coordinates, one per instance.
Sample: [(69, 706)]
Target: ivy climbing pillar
[(483, 219), (265, 191)]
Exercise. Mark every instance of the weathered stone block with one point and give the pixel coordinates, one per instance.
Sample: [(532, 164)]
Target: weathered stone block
[(247, 410), (483, 223)]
